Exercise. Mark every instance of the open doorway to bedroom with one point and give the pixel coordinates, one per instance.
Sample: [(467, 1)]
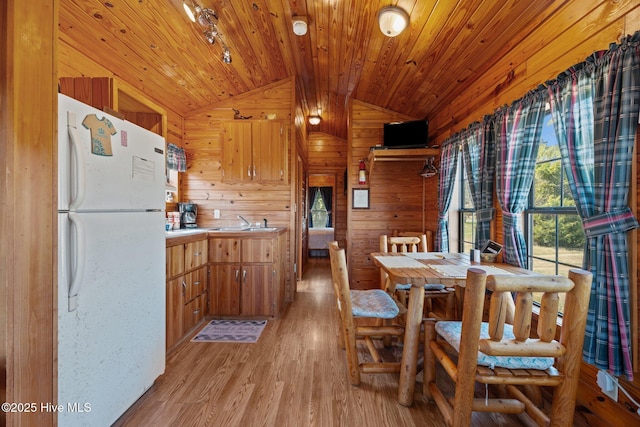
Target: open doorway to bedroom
[(321, 205)]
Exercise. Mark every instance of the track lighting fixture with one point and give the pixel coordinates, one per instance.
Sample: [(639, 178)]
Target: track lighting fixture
[(208, 20)]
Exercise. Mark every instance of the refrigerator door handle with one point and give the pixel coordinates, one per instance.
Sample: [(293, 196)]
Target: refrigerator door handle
[(77, 250), (79, 166)]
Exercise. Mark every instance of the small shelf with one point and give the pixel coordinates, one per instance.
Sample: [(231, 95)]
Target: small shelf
[(400, 154)]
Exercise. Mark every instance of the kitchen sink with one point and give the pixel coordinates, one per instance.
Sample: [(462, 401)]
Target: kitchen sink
[(244, 229), (228, 229)]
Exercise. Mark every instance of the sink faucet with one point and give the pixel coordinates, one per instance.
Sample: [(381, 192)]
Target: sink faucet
[(243, 219)]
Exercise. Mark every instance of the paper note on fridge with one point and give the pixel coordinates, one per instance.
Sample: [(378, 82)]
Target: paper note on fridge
[(143, 169)]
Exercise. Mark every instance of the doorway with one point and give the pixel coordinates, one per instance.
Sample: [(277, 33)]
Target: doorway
[(321, 214)]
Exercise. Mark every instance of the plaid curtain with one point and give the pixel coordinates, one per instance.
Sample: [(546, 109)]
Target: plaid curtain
[(518, 129), (446, 182), (616, 107), (571, 101), (176, 158), (478, 149)]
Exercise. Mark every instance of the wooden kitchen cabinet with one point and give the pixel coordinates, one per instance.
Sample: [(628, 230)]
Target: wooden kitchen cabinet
[(255, 151), (246, 276), (187, 280)]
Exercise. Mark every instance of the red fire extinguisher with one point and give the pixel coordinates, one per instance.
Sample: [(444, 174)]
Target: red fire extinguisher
[(362, 175)]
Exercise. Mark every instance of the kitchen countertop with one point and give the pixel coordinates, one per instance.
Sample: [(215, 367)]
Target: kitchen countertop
[(187, 235)]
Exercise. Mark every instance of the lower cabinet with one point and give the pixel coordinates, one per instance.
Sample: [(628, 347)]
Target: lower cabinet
[(246, 276), (186, 287), (195, 301), (244, 290)]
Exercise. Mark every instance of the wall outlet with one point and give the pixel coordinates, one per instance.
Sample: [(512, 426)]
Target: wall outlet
[(216, 213), (607, 384)]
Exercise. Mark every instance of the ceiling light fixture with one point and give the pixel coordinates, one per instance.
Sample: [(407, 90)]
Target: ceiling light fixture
[(314, 120), (207, 19), (299, 25), (392, 20)]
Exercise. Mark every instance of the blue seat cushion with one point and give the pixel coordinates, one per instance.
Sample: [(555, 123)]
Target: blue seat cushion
[(427, 287), (451, 332), (373, 303)]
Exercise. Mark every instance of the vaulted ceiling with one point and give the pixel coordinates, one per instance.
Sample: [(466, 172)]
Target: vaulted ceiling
[(154, 46)]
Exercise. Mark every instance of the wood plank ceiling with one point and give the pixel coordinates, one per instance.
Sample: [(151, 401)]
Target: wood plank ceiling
[(154, 46)]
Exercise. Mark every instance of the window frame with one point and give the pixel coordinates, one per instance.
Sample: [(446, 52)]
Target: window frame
[(463, 210)]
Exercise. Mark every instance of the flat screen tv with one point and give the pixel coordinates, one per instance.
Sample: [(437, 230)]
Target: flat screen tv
[(412, 134)]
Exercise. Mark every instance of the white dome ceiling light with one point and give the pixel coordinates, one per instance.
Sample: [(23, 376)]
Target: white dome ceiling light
[(392, 20)]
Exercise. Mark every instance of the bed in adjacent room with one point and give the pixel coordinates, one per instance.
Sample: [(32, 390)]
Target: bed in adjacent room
[(319, 239)]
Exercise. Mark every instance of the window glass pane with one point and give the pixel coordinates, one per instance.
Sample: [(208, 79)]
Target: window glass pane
[(319, 213), (467, 217), (555, 236), (468, 201), (469, 227)]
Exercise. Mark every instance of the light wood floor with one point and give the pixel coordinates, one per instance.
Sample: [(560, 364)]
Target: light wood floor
[(295, 375)]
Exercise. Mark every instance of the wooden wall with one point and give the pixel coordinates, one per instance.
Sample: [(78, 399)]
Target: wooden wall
[(28, 266), (202, 183), (328, 156), (549, 50), (400, 199), (73, 63)]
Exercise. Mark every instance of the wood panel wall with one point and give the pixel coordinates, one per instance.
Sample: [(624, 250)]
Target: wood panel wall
[(328, 156), (28, 224), (400, 199), (575, 32), (73, 63), (202, 183)]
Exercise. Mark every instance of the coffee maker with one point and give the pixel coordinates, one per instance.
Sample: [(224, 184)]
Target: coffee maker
[(188, 214)]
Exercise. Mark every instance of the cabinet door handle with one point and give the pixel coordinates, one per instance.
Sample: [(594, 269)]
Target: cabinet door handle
[(254, 171), (184, 288), (237, 273), (197, 283), (244, 276), (249, 171), (196, 311)]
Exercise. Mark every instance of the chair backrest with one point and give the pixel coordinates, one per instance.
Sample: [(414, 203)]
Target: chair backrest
[(427, 233), (576, 289), (340, 280), (403, 243)]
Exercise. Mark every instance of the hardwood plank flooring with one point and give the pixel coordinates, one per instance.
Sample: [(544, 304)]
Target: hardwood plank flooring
[(295, 375)]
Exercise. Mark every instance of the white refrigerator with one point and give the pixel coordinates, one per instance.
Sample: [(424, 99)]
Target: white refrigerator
[(111, 264)]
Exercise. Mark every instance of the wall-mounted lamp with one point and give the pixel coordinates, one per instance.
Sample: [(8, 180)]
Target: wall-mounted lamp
[(299, 25), (392, 20), (207, 19), (429, 169), (314, 120)]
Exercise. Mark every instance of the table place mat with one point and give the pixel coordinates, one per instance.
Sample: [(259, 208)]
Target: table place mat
[(461, 270), (400, 262), (425, 255), (436, 255)]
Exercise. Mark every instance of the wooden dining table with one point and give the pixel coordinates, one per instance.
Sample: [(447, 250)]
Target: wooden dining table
[(418, 269)]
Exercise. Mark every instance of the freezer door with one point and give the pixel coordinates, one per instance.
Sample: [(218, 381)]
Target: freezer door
[(105, 163), (111, 347)]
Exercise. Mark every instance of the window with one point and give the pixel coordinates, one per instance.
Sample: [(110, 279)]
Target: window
[(467, 213), (321, 207), (553, 228)]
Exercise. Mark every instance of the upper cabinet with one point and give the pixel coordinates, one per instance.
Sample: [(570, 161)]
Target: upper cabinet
[(255, 151)]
